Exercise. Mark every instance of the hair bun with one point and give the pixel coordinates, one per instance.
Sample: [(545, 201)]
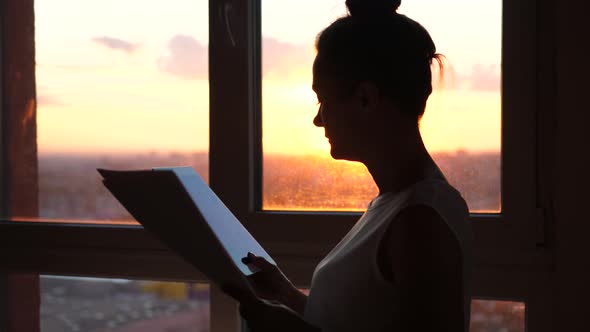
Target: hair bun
[(372, 8)]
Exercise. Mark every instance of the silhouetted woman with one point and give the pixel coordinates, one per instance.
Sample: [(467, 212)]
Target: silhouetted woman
[(405, 264)]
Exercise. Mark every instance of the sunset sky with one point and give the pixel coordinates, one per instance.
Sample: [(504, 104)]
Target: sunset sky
[(119, 76)]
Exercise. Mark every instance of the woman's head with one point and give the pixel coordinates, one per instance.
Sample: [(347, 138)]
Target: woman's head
[(376, 44)]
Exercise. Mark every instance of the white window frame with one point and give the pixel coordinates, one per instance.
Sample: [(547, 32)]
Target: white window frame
[(510, 248)]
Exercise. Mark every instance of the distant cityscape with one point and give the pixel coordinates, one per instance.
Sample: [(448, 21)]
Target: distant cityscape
[(104, 305), (71, 189), (319, 183)]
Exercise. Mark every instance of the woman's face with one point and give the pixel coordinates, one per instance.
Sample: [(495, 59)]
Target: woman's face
[(341, 115)]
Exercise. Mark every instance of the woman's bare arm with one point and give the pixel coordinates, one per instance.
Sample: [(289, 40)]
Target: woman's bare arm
[(422, 257)]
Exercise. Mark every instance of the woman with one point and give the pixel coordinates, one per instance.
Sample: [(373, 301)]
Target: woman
[(405, 265)]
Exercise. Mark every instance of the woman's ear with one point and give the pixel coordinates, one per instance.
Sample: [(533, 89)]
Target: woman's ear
[(368, 96)]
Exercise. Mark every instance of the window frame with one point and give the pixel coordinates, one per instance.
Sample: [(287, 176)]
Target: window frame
[(298, 240), (289, 232)]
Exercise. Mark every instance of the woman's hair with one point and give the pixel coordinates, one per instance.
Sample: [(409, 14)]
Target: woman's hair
[(375, 43)]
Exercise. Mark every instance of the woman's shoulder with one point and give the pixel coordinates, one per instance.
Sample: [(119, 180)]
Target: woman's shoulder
[(436, 205), (434, 192), (430, 199)]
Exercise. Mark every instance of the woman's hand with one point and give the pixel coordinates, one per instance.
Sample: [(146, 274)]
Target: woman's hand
[(267, 316), (271, 284)]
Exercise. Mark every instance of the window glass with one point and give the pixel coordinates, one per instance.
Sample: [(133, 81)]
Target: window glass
[(117, 305), (491, 315), (120, 84), (461, 126)]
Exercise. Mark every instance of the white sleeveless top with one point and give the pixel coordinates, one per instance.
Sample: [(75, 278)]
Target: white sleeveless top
[(348, 291)]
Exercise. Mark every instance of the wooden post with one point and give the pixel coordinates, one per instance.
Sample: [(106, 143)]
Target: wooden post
[(19, 303), (19, 293), (19, 111)]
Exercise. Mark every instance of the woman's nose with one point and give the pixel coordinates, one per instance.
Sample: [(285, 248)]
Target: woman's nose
[(318, 121)]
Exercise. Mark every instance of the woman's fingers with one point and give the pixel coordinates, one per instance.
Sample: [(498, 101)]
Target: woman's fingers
[(259, 262), (268, 282), (260, 278)]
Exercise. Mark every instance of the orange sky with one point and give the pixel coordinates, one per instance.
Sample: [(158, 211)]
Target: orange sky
[(134, 79)]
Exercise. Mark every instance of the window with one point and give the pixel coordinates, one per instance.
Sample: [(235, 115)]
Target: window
[(497, 316), (461, 126), (98, 304), (506, 254), (128, 94)]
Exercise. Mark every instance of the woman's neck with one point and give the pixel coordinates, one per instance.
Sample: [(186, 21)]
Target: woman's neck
[(396, 166)]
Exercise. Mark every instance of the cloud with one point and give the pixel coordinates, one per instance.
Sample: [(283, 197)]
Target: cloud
[(187, 58), (116, 44), (281, 59), (46, 100), (484, 78)]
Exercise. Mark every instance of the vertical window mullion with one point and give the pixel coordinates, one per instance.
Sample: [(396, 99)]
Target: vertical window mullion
[(517, 226), (234, 83), (19, 293), (19, 302), (518, 119), (234, 155), (19, 121)]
